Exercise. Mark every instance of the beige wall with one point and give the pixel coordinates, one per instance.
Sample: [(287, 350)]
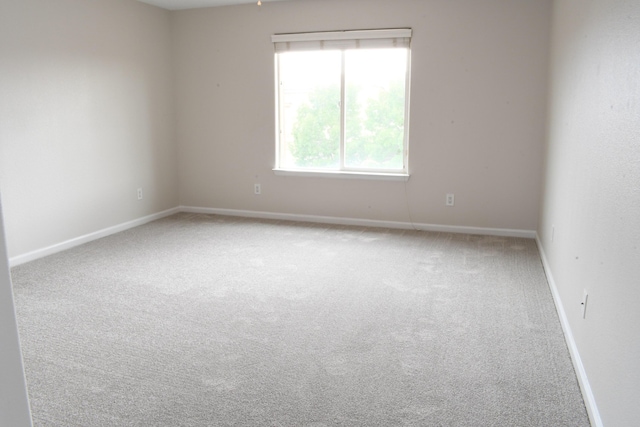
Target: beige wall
[(87, 111), (86, 117), (592, 195), (478, 104)]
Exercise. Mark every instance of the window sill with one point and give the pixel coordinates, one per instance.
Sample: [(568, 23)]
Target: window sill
[(343, 174)]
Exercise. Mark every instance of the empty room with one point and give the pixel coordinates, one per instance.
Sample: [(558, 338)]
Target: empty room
[(319, 213)]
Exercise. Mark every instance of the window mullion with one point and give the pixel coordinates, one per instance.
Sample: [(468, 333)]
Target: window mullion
[(343, 111)]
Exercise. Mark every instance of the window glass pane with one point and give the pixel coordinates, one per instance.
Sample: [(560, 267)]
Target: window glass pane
[(375, 102), (310, 109)]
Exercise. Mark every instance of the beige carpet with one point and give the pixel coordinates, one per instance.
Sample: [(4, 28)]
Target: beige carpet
[(199, 320)]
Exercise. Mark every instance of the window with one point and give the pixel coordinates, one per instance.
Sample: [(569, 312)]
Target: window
[(342, 101)]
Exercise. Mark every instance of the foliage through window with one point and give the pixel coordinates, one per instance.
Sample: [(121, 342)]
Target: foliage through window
[(342, 101)]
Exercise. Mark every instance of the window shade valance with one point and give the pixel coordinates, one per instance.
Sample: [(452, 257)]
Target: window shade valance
[(364, 39)]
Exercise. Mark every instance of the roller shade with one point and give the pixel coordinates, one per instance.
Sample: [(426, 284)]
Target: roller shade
[(334, 40)]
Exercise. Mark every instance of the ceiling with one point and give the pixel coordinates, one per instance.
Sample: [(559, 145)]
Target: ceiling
[(192, 4)]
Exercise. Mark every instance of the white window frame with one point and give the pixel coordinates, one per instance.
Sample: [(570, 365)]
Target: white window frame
[(343, 40)]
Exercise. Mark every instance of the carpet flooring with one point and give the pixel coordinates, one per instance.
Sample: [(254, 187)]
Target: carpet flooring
[(205, 320)]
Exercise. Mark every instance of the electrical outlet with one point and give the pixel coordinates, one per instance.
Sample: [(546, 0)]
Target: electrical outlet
[(257, 189), (139, 193), (450, 199), (585, 298)]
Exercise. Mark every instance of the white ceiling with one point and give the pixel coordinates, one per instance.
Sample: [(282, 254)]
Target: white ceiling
[(192, 4)]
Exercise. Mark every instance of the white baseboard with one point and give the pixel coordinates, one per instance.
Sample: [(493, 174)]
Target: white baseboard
[(585, 387), (68, 244), (529, 234), (49, 250)]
